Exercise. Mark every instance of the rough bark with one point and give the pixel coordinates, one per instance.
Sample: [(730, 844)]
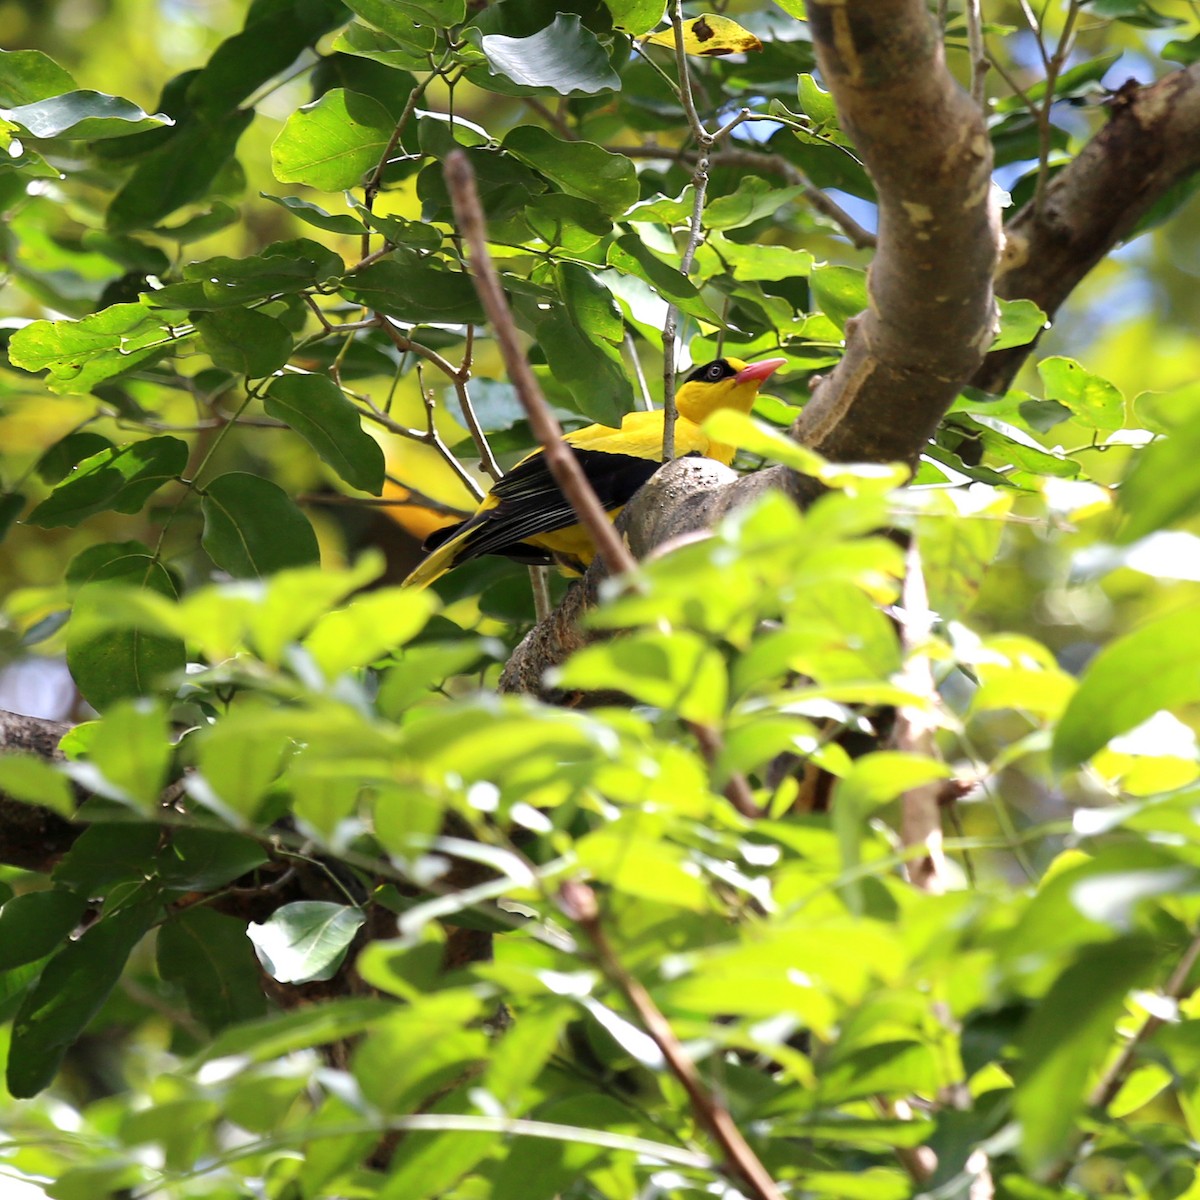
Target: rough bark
[(1150, 144), (30, 837)]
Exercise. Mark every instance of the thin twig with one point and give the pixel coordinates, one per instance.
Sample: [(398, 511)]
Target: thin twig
[(487, 460), (560, 458), (979, 61), (639, 374), (920, 811), (539, 582), (578, 901), (1054, 64), (737, 789), (1114, 1078), (772, 164)]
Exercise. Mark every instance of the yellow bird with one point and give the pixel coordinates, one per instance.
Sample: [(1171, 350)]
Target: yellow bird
[(526, 517)]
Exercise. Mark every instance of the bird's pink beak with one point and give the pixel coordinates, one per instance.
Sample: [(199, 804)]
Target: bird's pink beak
[(757, 372)]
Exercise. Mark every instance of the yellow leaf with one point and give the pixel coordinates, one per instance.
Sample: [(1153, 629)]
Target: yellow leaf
[(709, 37)]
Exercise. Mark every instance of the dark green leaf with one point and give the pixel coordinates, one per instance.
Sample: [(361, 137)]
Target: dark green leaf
[(314, 214), (72, 988), (83, 116), (840, 292), (416, 292), (579, 168), (11, 505), (317, 409), (305, 941), (209, 958), (83, 353), (107, 854), (58, 461), (180, 171), (122, 478), (564, 57), (630, 255), (567, 221), (1156, 666), (201, 860), (32, 925), (579, 341), (332, 143), (244, 341), (1068, 1037), (252, 528), (374, 46)]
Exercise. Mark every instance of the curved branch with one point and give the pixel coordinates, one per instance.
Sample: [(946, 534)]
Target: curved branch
[(1150, 144), (931, 313)]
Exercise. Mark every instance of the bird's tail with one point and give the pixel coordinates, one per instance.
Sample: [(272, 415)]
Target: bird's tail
[(444, 546)]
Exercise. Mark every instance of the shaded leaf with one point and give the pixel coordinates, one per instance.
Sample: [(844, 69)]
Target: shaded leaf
[(317, 409), (33, 924), (581, 169), (244, 341), (252, 528)]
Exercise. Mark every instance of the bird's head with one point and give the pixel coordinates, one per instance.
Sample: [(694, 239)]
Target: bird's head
[(724, 383)]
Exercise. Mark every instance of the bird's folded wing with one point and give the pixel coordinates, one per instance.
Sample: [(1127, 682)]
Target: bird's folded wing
[(528, 502)]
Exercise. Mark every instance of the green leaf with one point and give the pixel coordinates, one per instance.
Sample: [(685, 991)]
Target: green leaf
[(1080, 80), (314, 214), (364, 42), (122, 478), (565, 57), (65, 455), (11, 506), (282, 269), (1021, 321), (1162, 487), (305, 941), (569, 222), (202, 860), (72, 988), (120, 852), (416, 293), (362, 632), (178, 172), (1156, 666), (579, 168), (635, 16), (209, 958), (317, 409), (754, 198), (29, 75), (1069, 1036), (277, 1035), (630, 255), (840, 292), (83, 116), (33, 924), (411, 29), (99, 347), (1093, 401), (252, 528), (678, 672), (32, 780), (244, 341), (1133, 12), (332, 143), (579, 339), (131, 750)]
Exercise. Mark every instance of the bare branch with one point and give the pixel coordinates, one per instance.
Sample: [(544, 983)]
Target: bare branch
[(1150, 144), (561, 460), (578, 901)]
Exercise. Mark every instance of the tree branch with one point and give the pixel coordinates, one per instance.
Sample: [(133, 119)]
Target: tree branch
[(32, 838), (1150, 144), (931, 313), (561, 460)]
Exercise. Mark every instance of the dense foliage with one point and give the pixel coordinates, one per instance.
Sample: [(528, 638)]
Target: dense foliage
[(239, 306)]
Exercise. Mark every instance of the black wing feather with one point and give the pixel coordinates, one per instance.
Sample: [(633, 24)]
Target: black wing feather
[(529, 501)]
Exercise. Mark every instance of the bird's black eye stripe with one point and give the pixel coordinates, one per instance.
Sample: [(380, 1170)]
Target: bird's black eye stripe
[(711, 372)]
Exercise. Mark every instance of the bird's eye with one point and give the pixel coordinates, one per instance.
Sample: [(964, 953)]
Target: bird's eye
[(715, 372)]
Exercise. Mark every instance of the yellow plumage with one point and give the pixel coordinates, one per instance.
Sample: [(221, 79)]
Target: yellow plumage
[(526, 517)]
